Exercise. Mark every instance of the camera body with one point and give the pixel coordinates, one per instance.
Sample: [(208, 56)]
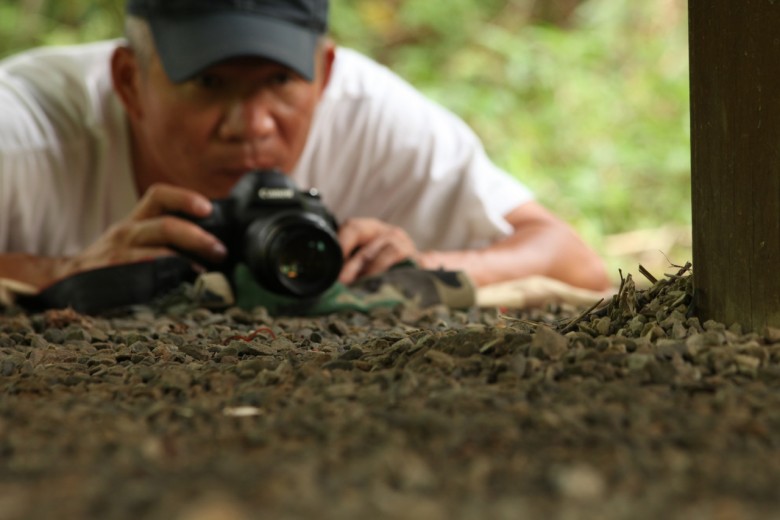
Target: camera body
[(286, 237)]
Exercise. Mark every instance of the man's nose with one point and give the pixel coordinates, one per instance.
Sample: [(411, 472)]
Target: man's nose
[(248, 119)]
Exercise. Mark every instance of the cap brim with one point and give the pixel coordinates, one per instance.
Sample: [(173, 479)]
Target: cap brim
[(187, 46)]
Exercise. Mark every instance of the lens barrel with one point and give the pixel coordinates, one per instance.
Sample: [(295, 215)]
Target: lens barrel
[(293, 252)]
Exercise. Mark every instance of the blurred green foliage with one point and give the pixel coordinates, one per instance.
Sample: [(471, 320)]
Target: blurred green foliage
[(586, 101)]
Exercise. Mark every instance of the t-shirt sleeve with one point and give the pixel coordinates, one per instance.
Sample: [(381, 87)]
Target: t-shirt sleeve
[(408, 161)]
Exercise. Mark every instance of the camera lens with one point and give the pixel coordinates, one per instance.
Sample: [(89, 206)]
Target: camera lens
[(305, 260), (297, 254)]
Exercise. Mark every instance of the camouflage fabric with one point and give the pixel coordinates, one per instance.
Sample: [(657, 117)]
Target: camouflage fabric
[(404, 284)]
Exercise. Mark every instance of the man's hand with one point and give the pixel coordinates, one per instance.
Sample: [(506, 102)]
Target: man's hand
[(371, 246), (150, 231)]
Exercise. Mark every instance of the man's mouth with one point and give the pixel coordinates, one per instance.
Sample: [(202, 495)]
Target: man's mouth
[(240, 171), (232, 172), (241, 167)]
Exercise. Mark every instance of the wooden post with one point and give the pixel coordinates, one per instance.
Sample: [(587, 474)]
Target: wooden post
[(735, 145)]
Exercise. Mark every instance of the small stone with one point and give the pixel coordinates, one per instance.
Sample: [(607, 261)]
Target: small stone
[(653, 331), (519, 364), (252, 366), (123, 354), (195, 352), (141, 347), (54, 335), (8, 367), (351, 354), (341, 390), (339, 327), (637, 325), (602, 325), (661, 373), (694, 323), (75, 333), (769, 374), (37, 341), (580, 482), (638, 362), (670, 321), (679, 331), (584, 340), (697, 342), (772, 334), (668, 348), (712, 325), (548, 344), (97, 334), (440, 359), (747, 365), (134, 337), (282, 344), (178, 380), (339, 364), (735, 329)]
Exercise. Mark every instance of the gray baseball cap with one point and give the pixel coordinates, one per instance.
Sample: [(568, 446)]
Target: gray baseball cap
[(191, 35)]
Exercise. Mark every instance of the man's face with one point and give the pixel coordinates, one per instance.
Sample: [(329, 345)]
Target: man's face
[(239, 115)]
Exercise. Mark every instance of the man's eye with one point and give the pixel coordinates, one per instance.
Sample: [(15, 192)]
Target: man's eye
[(209, 81), (280, 78)]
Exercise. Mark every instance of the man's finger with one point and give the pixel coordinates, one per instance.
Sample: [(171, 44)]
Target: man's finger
[(383, 258), (374, 258), (179, 234), (357, 232), (351, 269), (160, 199)]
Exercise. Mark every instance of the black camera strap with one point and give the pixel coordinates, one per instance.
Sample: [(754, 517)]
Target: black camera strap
[(107, 288)]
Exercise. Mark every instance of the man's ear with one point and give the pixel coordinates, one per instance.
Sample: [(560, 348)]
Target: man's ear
[(126, 78), (327, 57)]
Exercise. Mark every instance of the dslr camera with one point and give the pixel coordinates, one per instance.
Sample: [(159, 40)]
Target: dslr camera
[(286, 237)]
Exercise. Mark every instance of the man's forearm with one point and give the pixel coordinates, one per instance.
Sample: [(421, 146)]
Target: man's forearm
[(499, 264), (37, 271), (540, 245)]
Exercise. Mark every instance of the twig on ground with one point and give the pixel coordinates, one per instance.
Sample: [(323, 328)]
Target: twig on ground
[(647, 274), (570, 326), (529, 323), (683, 271)]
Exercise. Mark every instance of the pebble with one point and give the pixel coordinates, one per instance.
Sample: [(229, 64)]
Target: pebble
[(440, 359), (579, 482), (548, 344), (638, 362)]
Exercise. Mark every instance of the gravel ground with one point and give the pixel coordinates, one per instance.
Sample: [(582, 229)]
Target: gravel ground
[(635, 411)]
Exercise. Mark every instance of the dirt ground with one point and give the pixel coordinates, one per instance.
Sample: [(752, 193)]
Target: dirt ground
[(634, 411)]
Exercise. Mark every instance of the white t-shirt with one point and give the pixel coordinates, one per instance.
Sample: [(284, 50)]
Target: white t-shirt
[(377, 148)]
